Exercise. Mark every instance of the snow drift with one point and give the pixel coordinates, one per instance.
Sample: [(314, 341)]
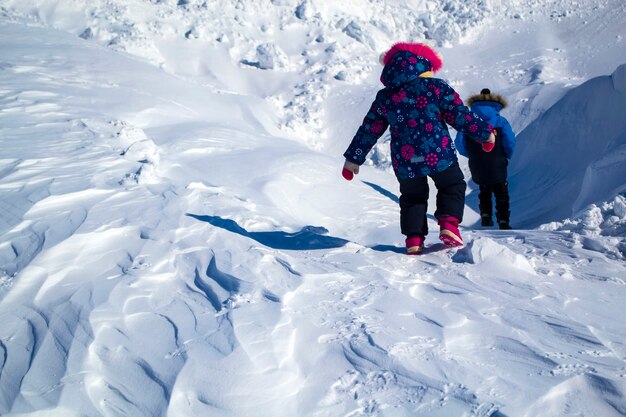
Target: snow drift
[(573, 155)]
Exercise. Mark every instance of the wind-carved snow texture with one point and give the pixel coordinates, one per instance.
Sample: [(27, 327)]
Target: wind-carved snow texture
[(165, 251)]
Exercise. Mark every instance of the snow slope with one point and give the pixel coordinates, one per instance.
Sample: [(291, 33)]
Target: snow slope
[(587, 130), (172, 245)]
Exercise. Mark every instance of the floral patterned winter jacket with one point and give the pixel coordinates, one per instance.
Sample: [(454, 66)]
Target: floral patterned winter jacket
[(417, 110)]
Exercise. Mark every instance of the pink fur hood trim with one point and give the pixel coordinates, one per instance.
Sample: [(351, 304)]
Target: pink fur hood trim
[(419, 49)]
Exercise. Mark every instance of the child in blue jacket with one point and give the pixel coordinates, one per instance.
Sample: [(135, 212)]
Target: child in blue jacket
[(417, 109), (489, 170)]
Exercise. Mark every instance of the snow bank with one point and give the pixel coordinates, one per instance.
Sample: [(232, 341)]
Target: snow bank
[(572, 155)]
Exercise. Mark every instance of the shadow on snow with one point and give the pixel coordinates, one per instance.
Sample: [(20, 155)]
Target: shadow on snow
[(308, 238), (383, 191)]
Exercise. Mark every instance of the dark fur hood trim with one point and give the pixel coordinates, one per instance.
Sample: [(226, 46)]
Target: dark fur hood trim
[(487, 97)]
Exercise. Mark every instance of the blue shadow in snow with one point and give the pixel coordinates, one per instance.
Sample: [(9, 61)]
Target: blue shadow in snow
[(395, 199), (384, 192), (389, 248), (308, 238), (435, 247)]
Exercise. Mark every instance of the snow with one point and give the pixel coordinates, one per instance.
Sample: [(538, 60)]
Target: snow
[(176, 238), (587, 128)]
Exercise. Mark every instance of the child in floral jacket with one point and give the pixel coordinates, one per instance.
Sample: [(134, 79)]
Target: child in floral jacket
[(417, 108)]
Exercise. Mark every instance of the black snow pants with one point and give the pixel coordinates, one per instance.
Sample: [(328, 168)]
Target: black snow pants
[(414, 199), (501, 193)]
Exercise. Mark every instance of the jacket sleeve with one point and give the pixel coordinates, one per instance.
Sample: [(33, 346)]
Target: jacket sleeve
[(374, 125), (508, 139), (459, 144), (459, 116)]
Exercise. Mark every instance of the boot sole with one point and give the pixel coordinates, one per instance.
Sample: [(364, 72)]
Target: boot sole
[(450, 239), (414, 250)]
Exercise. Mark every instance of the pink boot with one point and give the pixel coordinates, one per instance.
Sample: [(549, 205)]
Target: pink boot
[(449, 231), (415, 245)]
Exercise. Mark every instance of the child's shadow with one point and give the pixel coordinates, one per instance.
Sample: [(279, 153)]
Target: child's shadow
[(383, 191), (308, 238)]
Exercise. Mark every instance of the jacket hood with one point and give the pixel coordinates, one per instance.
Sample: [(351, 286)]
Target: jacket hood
[(405, 62), (487, 110), (486, 96), (404, 67)]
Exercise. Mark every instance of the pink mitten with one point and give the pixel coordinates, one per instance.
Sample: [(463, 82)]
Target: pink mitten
[(347, 174), (491, 142)]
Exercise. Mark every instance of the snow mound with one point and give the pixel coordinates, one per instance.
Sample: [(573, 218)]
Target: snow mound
[(139, 148), (565, 399), (268, 57), (489, 252), (601, 228), (572, 155)]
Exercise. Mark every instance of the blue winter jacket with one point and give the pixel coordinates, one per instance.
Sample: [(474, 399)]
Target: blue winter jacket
[(490, 111)]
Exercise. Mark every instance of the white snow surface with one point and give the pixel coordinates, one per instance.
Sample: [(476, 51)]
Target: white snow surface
[(176, 238)]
